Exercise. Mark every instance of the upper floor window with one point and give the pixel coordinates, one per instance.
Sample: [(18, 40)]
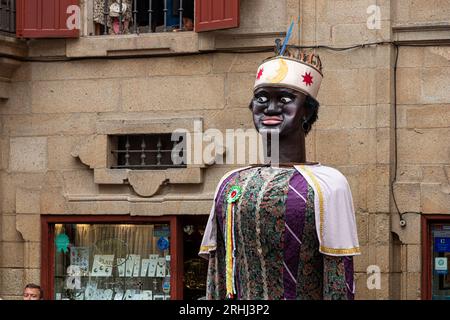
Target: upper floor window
[(140, 16)]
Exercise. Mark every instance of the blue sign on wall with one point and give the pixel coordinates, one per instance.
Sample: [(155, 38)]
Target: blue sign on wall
[(442, 244)]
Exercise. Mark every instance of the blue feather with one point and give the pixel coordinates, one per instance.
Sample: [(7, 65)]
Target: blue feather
[(286, 39)]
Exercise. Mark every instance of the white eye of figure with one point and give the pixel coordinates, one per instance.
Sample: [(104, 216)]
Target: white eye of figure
[(261, 99), (286, 100)]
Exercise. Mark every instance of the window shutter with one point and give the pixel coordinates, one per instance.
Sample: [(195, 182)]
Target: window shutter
[(216, 14), (47, 19)]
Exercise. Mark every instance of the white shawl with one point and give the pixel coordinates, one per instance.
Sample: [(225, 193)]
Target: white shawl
[(333, 207)]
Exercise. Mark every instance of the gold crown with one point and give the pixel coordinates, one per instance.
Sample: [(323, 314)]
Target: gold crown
[(306, 57)]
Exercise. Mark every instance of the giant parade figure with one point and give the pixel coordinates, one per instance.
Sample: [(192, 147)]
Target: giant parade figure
[(285, 230)]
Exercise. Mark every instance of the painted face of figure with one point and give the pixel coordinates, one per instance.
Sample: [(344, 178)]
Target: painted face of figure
[(280, 109)]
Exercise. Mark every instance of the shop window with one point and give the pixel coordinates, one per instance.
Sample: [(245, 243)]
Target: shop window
[(436, 258), (117, 258), (147, 151)]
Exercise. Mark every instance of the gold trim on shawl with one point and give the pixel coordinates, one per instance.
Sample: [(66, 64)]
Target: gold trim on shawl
[(207, 248), (340, 251)]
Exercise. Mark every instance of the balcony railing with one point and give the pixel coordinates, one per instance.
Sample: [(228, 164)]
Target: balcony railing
[(142, 16), (7, 16)]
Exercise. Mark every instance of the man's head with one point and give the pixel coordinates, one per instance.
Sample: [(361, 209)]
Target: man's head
[(285, 93), (33, 292)]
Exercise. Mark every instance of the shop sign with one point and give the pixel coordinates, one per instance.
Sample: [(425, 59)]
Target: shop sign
[(440, 265), (442, 244)]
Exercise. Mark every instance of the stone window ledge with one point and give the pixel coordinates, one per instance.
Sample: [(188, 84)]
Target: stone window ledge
[(434, 33), (148, 44), (132, 44), (95, 153)]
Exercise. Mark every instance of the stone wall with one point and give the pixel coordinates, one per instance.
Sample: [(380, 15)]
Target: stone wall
[(54, 107)]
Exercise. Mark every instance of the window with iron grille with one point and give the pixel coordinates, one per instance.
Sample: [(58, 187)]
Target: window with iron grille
[(145, 151), (143, 16), (7, 16)]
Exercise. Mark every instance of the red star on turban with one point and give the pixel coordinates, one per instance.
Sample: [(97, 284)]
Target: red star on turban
[(307, 78), (260, 72)]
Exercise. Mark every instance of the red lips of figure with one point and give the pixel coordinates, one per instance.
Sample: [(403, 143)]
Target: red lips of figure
[(272, 120)]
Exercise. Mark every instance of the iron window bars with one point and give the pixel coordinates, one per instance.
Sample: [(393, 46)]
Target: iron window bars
[(145, 151), (150, 13)]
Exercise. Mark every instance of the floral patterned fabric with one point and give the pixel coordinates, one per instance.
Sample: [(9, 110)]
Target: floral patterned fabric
[(277, 249)]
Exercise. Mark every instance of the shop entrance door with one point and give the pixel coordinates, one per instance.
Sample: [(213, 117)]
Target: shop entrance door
[(195, 268)]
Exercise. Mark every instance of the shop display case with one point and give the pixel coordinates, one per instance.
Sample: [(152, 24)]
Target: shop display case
[(112, 260)]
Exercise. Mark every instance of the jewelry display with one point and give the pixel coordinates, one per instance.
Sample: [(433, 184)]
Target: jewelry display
[(147, 295), (144, 267), (79, 296), (166, 285), (168, 265), (152, 265), (108, 294), (102, 266), (79, 256), (129, 265), (90, 291), (119, 295), (138, 296), (121, 266), (136, 265), (161, 267), (129, 294), (98, 294), (155, 284)]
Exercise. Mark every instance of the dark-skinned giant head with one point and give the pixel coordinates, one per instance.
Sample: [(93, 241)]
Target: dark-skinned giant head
[(285, 93)]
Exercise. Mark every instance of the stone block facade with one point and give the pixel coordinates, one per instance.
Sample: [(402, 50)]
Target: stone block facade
[(54, 107)]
